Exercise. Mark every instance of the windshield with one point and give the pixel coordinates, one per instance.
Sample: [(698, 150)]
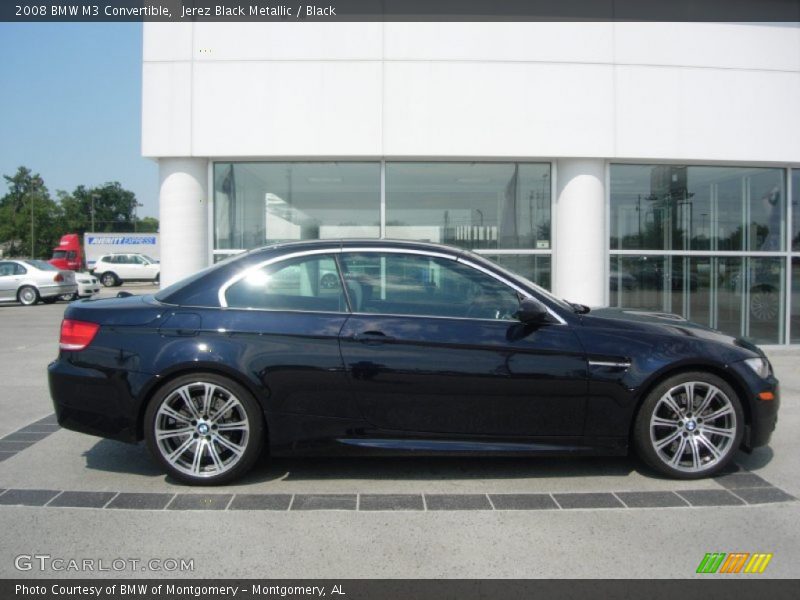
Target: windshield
[(59, 254), (40, 264)]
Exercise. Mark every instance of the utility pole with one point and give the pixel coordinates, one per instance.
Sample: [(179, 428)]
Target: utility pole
[(32, 238), (93, 197)]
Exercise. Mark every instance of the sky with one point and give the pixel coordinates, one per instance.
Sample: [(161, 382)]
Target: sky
[(70, 106)]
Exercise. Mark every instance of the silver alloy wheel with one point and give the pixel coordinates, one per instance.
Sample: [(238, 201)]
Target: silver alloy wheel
[(27, 295), (109, 280), (202, 429), (693, 426)]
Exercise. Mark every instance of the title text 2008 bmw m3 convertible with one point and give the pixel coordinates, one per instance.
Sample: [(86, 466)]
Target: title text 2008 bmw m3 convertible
[(387, 347)]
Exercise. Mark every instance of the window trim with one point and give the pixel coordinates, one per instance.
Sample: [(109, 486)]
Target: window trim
[(337, 252)]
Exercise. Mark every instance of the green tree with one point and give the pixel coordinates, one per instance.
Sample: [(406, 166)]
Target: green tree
[(147, 225), (28, 203), (113, 207)]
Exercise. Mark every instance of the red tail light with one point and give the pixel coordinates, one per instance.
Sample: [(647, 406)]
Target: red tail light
[(76, 335), (58, 278)]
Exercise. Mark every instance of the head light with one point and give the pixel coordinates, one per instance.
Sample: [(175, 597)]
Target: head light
[(759, 365)]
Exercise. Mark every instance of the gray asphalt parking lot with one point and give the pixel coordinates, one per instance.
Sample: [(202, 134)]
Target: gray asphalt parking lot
[(74, 496)]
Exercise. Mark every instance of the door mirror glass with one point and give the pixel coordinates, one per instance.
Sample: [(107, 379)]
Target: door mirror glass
[(531, 311)]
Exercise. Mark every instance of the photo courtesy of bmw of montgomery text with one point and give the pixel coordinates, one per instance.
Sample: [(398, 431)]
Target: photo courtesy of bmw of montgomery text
[(386, 347)]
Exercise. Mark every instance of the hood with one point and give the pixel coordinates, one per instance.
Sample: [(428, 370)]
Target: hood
[(655, 322)]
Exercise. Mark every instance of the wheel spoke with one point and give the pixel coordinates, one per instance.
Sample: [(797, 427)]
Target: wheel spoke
[(197, 462), (210, 389), (664, 442), (212, 451), (232, 401), (710, 395), (234, 426), (173, 414), (226, 443), (172, 433), (672, 405), (722, 412), (187, 400), (688, 389), (694, 450), (676, 458), (661, 422), (701, 439), (176, 454), (724, 432)]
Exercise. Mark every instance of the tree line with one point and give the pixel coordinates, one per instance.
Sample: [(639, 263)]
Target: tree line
[(32, 221)]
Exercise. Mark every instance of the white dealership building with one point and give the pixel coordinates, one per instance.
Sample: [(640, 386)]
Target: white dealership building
[(641, 165)]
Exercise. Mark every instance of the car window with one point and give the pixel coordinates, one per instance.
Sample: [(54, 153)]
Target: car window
[(307, 283), (137, 260), (19, 269), (7, 268), (59, 253), (411, 284), (41, 265)]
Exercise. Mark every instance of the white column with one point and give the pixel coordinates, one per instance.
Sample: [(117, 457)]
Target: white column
[(581, 245), (183, 210)]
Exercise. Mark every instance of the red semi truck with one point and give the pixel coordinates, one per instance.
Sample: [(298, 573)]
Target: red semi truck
[(68, 255)]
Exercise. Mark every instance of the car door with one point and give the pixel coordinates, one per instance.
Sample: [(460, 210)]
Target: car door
[(291, 325), (433, 346), (8, 280)]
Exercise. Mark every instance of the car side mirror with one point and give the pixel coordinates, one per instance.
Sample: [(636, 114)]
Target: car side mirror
[(531, 311)]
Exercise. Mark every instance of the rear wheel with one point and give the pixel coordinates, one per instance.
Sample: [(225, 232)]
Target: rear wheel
[(28, 295), (690, 426), (109, 279), (204, 429)]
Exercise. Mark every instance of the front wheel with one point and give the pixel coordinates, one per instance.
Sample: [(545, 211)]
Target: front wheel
[(204, 429), (690, 426)]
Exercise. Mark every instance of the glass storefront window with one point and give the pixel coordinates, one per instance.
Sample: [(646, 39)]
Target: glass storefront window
[(535, 267), (741, 296), (260, 203), (794, 322), (796, 210), (471, 205), (670, 207)]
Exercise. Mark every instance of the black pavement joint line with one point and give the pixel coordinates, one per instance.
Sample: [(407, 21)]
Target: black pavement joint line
[(82, 499), (260, 502), (523, 501), (457, 502), (763, 495), (324, 502), (709, 497), (391, 502), (651, 499), (140, 501), (14, 497), (200, 502), (588, 500), (734, 481)]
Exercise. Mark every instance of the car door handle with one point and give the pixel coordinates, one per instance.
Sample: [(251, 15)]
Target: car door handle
[(372, 337)]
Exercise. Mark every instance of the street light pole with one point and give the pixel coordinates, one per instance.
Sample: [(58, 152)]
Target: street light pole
[(93, 197), (32, 238)]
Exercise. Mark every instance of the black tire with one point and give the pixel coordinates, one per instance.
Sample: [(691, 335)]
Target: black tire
[(247, 410), (50, 300), (701, 461), (28, 295), (109, 279)]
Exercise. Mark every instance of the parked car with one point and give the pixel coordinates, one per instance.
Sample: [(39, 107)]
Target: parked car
[(28, 281), (88, 285), (417, 348), (114, 269)]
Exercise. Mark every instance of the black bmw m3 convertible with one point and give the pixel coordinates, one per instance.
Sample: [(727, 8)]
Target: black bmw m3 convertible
[(387, 347)]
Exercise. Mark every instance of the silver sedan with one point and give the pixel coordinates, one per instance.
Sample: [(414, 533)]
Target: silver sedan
[(28, 281)]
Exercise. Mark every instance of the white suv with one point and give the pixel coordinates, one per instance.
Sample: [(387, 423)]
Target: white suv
[(114, 269)]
